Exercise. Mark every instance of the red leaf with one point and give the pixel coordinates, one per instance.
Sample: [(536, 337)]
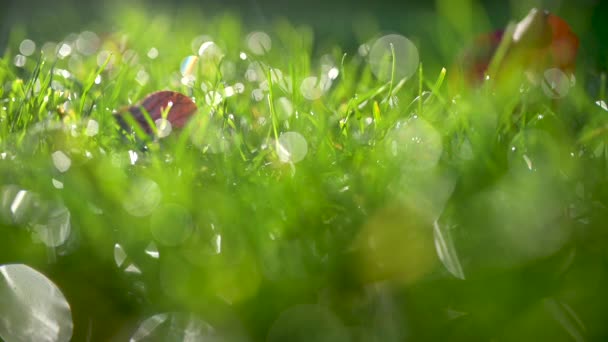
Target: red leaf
[(541, 40), (181, 109)]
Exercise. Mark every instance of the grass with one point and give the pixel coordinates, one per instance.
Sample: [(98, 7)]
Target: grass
[(358, 208)]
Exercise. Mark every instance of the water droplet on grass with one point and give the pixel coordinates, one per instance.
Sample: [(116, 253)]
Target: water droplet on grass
[(259, 42), (27, 47), (61, 161), (292, 147), (33, 307), (405, 54)]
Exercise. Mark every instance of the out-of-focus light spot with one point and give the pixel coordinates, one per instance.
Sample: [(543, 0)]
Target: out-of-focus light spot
[(213, 98), (174, 327), (312, 88), (393, 55), (33, 307), (133, 157), (27, 47), (284, 108), (152, 250), (229, 91), (555, 83), (416, 144), (54, 228), (257, 94), (152, 53), (163, 127), (333, 73), (188, 81), (49, 50), (602, 104), (259, 42), (119, 255), (218, 243), (142, 77), (19, 61), (87, 43), (98, 79), (239, 88), (61, 161), (142, 197), (363, 50), (188, 66), (291, 147), (103, 56), (210, 52), (64, 50), (92, 128), (446, 250), (57, 184), (243, 56), (133, 269)]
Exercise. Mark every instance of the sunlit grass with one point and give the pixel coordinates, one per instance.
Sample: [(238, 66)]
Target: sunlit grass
[(317, 194)]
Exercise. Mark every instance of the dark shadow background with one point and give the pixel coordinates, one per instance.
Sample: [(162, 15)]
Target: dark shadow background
[(51, 20)]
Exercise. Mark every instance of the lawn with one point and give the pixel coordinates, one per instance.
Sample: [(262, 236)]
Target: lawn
[(318, 193)]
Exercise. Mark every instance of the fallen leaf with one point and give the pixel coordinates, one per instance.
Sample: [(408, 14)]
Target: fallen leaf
[(180, 108)]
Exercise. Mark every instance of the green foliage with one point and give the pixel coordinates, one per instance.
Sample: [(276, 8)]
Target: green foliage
[(413, 212)]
